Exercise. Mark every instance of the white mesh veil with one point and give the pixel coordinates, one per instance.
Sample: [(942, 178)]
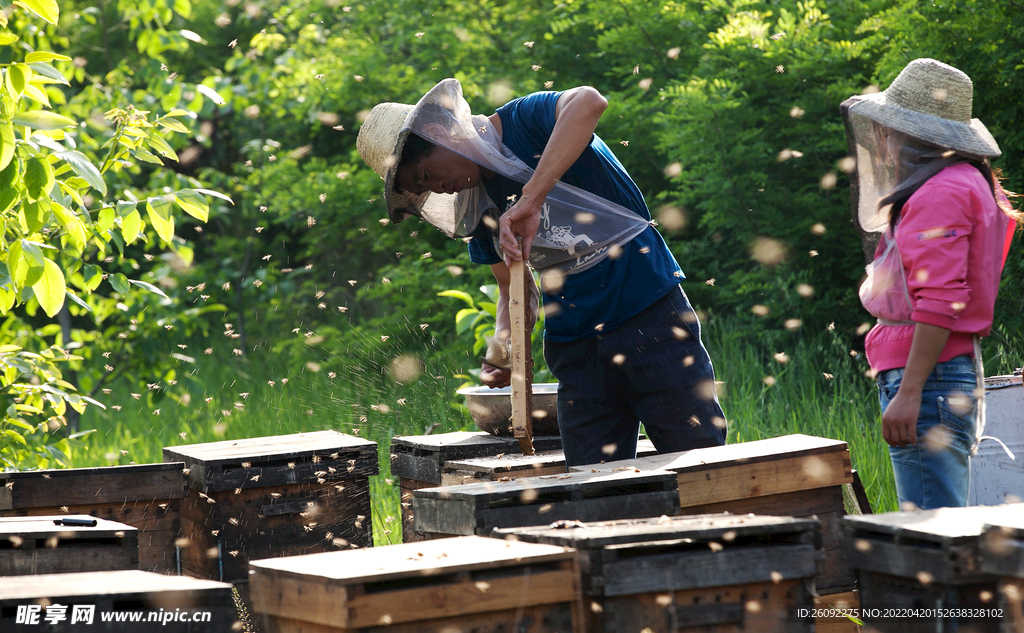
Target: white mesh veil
[(888, 163), (578, 229)]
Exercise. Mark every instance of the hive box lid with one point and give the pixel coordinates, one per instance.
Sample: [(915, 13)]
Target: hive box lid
[(421, 457), (569, 482), (519, 465), (91, 486), (413, 560), (40, 527), (754, 452), (701, 528), (943, 526), (124, 583), (275, 460)]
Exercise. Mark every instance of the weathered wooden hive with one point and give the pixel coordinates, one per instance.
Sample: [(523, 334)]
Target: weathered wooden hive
[(481, 507), (792, 475), (65, 544), (922, 571), (514, 465), (466, 584), (127, 601), (145, 496), (273, 496), (1002, 555), (417, 461), (691, 574)]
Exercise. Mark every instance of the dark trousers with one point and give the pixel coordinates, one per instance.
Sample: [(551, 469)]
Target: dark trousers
[(651, 369)]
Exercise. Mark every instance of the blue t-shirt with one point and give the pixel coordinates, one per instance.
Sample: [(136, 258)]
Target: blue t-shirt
[(611, 292)]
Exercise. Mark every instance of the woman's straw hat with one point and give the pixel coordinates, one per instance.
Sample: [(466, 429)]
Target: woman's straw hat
[(930, 101)]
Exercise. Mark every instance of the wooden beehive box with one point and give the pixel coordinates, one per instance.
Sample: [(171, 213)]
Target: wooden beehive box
[(792, 475), (145, 496), (417, 461), (925, 560), (273, 496), (466, 584), (479, 508), (65, 543), (721, 573), (1002, 555), (131, 601), (456, 472)]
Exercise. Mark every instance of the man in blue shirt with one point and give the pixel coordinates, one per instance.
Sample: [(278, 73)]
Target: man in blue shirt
[(620, 335)]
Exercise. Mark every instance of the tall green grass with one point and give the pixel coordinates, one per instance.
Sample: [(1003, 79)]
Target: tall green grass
[(818, 388)]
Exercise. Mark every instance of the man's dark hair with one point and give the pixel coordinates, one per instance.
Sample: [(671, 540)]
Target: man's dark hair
[(415, 149)]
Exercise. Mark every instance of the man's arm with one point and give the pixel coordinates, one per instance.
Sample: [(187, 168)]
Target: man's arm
[(576, 115), (490, 375)]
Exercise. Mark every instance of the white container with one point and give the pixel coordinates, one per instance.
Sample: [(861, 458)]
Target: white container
[(995, 478)]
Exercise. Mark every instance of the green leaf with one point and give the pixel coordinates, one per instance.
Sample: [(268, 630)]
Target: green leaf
[(6, 39), (46, 9), (71, 191), (458, 294), (20, 75), (119, 283), (92, 275), (25, 262), (38, 178), (46, 70), (131, 225), (147, 156), (148, 286), (161, 147), (78, 301), (37, 95), (106, 219), (43, 120), (173, 125), (465, 319), (71, 222), (158, 212), (6, 144), (211, 94), (84, 168), (193, 203), (178, 112), (6, 300), (37, 214), (216, 194), (45, 56), (50, 290)]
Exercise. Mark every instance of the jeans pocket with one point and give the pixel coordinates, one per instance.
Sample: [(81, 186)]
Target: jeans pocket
[(957, 412)]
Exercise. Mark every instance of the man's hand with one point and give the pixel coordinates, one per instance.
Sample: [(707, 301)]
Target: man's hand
[(577, 112), (899, 422), (522, 220), (495, 377)]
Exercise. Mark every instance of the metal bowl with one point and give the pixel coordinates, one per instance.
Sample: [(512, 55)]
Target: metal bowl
[(491, 409)]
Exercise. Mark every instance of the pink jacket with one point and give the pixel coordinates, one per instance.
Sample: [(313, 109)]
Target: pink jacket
[(953, 240)]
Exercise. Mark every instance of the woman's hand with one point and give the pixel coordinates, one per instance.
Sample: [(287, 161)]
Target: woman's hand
[(899, 421)]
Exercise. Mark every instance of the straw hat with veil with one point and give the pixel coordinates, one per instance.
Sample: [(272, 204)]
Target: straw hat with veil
[(443, 117), (906, 134)]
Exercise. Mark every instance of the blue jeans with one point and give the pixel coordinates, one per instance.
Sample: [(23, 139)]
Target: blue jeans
[(935, 472), (651, 369)]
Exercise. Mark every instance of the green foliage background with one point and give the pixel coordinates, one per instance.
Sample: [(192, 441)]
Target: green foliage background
[(726, 112)]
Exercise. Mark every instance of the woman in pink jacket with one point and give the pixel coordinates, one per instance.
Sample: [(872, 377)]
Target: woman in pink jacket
[(924, 182)]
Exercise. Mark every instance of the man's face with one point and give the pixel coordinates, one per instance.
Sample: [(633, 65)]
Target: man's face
[(441, 171)]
